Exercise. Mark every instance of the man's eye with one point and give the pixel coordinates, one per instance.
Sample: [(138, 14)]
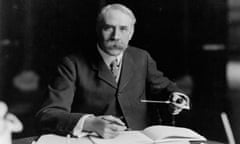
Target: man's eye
[(107, 28), (123, 28)]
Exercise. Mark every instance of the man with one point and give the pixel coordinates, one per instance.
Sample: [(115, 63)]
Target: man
[(91, 93)]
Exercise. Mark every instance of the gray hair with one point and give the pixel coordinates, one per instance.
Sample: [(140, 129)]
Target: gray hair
[(116, 6)]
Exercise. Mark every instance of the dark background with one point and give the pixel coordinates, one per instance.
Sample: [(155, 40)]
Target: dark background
[(35, 34)]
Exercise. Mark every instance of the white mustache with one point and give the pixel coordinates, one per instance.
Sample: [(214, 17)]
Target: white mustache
[(116, 45)]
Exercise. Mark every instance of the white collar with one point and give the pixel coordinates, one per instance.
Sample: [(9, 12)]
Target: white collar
[(107, 58)]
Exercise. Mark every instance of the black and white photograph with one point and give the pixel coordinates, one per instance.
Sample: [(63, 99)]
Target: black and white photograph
[(119, 71)]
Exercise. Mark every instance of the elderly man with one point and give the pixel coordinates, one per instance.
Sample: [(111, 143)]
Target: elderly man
[(100, 90)]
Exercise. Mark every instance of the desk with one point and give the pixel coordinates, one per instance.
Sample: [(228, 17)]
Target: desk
[(29, 140)]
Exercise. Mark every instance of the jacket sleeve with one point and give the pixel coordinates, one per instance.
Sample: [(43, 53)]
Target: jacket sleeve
[(158, 84), (55, 115)]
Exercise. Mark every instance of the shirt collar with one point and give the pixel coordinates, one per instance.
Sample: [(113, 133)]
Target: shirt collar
[(107, 58)]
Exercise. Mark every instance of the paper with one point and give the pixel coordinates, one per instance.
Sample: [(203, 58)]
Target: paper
[(152, 135)]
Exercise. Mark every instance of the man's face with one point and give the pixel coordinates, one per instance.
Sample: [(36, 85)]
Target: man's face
[(115, 32)]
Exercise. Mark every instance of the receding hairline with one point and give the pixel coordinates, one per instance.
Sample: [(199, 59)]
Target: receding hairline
[(118, 7)]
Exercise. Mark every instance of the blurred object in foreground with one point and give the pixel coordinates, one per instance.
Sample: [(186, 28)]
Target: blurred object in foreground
[(186, 84), (8, 123), (26, 81)]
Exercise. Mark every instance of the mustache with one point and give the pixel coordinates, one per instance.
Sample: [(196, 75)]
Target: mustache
[(116, 44), (116, 47)]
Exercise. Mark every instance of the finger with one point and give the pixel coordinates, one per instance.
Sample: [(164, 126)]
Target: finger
[(180, 106), (113, 119), (177, 99), (175, 110), (118, 128), (180, 102), (177, 95), (109, 133), (177, 105)]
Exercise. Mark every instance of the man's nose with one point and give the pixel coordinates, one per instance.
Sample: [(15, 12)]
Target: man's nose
[(116, 34)]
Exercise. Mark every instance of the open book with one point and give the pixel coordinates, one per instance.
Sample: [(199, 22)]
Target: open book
[(154, 134), (151, 135)]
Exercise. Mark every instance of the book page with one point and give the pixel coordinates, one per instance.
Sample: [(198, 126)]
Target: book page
[(170, 133), (56, 139), (126, 137)]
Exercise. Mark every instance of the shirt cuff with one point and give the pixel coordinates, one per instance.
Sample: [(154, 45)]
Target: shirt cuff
[(78, 129)]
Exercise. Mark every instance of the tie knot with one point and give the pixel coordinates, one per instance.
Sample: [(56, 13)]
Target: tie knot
[(114, 64)]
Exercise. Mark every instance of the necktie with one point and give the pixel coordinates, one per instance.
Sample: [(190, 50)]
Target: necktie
[(114, 66)]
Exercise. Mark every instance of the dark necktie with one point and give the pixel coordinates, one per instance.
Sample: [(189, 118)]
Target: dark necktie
[(114, 66)]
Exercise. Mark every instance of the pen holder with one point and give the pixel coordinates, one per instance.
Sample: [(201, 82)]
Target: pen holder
[(8, 123)]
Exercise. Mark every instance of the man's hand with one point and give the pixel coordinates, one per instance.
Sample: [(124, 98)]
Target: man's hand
[(106, 126), (179, 101)]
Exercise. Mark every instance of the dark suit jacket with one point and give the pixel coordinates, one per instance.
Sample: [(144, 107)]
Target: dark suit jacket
[(84, 85)]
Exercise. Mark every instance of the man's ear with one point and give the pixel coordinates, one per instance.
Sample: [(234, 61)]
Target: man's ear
[(131, 33)]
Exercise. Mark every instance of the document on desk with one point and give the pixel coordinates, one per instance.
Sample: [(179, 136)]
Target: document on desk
[(151, 135), (56, 139), (154, 135)]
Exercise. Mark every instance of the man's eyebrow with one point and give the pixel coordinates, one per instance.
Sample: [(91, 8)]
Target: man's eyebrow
[(123, 26), (110, 25), (107, 25)]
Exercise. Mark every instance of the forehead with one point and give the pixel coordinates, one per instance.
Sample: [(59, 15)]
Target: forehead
[(117, 17)]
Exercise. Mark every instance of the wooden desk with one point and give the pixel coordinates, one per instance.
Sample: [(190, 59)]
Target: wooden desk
[(29, 140)]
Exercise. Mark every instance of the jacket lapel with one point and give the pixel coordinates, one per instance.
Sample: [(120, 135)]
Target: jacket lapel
[(103, 72), (127, 71)]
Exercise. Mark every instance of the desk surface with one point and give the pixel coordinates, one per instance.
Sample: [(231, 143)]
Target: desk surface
[(29, 140)]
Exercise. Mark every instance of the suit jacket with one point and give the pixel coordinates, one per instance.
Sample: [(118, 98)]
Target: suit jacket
[(84, 85)]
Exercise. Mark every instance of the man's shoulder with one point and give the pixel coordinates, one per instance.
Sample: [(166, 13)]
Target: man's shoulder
[(136, 51), (73, 59), (78, 55)]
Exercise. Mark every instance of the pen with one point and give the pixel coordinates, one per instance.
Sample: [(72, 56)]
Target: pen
[(154, 101), (114, 122), (177, 103)]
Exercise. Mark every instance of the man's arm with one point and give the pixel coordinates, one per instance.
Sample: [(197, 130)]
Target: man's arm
[(55, 115), (161, 85)]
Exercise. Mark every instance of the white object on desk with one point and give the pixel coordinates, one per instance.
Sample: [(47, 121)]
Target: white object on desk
[(154, 134), (56, 139), (227, 128)]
